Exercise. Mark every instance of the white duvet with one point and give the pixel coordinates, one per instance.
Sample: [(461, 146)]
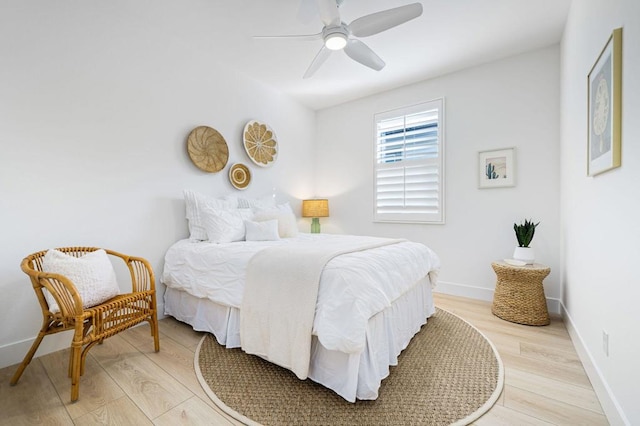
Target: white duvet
[(353, 286)]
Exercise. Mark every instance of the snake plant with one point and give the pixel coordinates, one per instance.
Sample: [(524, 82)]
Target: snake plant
[(524, 232)]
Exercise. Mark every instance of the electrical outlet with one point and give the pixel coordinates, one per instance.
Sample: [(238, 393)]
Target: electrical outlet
[(605, 342)]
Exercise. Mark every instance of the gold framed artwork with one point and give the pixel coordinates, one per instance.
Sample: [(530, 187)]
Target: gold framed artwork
[(604, 92), (496, 168)]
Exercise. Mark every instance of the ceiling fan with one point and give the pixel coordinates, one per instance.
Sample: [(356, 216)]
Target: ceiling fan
[(337, 35)]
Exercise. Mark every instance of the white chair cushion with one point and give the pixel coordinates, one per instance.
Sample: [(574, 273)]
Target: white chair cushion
[(92, 274)]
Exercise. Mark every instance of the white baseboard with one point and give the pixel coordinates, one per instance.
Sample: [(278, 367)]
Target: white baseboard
[(161, 311), (13, 353), (483, 293), (608, 401), (462, 290)]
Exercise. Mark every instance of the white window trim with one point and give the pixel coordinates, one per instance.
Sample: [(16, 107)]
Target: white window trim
[(420, 218)]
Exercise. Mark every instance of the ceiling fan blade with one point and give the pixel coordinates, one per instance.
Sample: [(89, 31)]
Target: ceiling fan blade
[(322, 56), (360, 52), (381, 21), (303, 37), (328, 10)]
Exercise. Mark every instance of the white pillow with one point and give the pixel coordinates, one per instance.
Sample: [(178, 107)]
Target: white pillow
[(224, 226), (262, 203), (195, 203), (92, 274), (262, 231), (287, 222)]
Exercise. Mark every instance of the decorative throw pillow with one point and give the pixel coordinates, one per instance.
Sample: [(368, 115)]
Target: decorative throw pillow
[(262, 231), (92, 274), (224, 226), (262, 203), (287, 222), (195, 203)]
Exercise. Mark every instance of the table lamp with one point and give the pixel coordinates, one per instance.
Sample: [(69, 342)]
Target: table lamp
[(315, 209)]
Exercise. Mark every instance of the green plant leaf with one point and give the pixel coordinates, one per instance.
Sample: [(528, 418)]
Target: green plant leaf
[(525, 232)]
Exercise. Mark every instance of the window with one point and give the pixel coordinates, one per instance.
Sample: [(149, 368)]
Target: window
[(409, 177)]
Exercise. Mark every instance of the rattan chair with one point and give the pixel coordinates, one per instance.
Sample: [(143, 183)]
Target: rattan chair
[(91, 325)]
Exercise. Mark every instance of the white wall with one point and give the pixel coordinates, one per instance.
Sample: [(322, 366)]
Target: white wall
[(509, 103), (96, 102), (600, 214)]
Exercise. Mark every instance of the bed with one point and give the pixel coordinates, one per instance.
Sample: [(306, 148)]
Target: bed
[(370, 302), (239, 276)]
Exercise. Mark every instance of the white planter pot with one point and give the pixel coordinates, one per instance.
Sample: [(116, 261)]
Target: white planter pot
[(525, 254)]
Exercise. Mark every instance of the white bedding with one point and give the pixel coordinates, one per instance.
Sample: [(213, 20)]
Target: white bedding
[(353, 287), (281, 294)]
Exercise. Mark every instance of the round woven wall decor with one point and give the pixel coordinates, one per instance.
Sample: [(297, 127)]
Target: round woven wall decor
[(208, 149), (260, 143), (240, 176)]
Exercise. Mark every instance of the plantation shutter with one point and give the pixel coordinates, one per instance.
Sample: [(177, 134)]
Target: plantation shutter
[(408, 164)]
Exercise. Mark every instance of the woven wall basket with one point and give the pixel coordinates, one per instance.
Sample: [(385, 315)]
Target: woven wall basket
[(208, 149), (240, 176), (260, 143)]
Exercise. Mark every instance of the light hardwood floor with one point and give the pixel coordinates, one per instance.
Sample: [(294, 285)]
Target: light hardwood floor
[(126, 383)]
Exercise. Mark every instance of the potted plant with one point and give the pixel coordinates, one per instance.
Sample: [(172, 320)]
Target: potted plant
[(524, 234)]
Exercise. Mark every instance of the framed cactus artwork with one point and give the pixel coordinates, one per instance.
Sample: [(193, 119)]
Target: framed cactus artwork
[(496, 168)]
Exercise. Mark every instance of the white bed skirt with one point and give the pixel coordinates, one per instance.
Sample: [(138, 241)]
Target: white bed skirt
[(349, 375)]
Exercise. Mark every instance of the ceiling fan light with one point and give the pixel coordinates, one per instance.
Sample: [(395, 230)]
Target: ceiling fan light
[(335, 41)]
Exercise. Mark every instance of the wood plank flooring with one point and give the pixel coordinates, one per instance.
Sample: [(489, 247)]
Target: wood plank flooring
[(127, 383)]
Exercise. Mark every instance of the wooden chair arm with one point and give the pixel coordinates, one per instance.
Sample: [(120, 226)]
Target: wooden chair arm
[(142, 276), (63, 291)]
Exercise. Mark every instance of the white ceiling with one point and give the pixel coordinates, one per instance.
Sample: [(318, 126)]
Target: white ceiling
[(449, 36)]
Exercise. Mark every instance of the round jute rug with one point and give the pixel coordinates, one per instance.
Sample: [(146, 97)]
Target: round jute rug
[(449, 374)]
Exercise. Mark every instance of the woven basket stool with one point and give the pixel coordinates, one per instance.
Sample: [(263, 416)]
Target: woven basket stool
[(519, 295)]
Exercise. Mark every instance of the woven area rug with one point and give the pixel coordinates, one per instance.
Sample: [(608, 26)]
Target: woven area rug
[(449, 374)]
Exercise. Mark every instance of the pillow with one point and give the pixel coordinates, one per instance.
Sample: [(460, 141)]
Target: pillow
[(262, 203), (287, 222), (92, 274), (224, 226), (262, 231), (195, 202)]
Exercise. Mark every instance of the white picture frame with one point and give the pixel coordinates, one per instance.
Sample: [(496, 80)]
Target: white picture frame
[(496, 168)]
